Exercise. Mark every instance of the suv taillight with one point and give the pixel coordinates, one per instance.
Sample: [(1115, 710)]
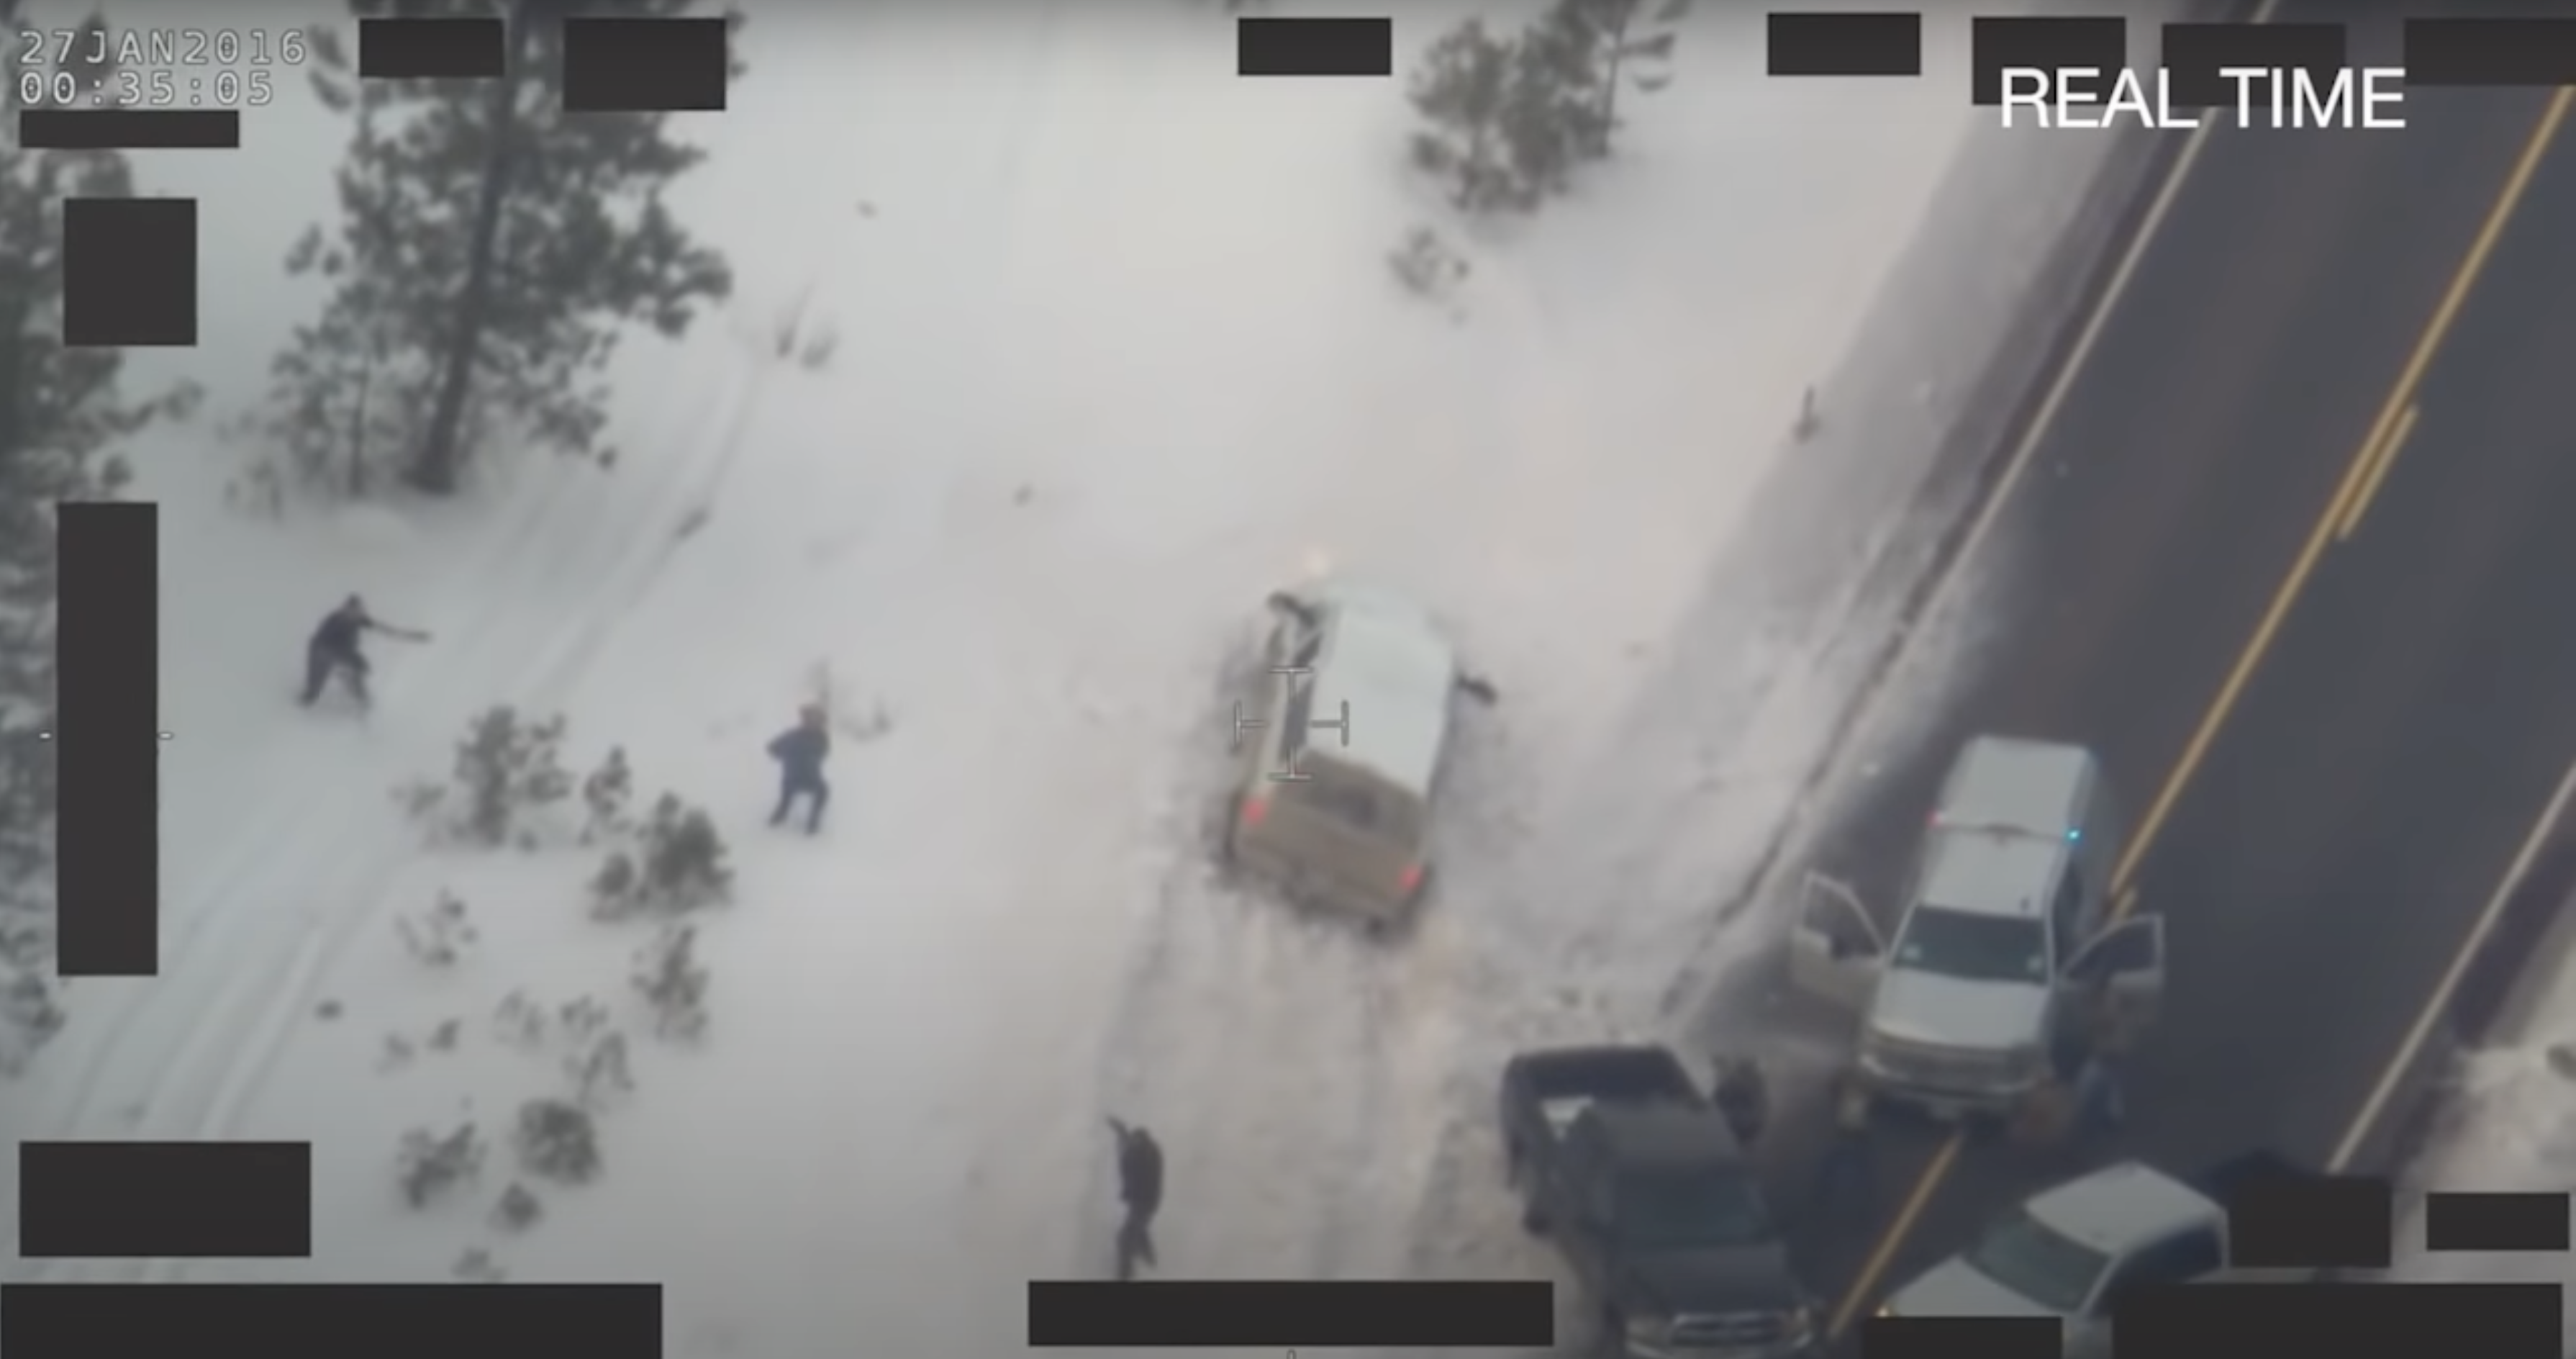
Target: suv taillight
[(1410, 881), (1252, 809)]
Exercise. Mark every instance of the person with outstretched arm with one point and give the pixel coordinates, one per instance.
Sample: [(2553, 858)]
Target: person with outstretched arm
[(1140, 1188), (334, 649), (800, 752)]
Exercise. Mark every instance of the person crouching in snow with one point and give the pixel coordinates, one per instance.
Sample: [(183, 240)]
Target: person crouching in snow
[(800, 752)]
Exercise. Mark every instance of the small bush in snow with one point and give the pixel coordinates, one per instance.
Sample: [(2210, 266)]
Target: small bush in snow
[(507, 770), (518, 1209), (673, 983), (520, 1021), (1459, 90), (438, 935), (676, 865), (605, 794), (558, 1140), (527, 1023), (478, 1266), (599, 1070), (29, 1016), (430, 1164), (1427, 266)]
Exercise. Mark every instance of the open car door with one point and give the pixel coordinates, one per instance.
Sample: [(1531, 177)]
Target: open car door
[(1835, 950), (2121, 971)]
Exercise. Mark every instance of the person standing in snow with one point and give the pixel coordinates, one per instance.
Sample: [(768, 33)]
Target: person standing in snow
[(334, 649), (800, 752), (1140, 1187)]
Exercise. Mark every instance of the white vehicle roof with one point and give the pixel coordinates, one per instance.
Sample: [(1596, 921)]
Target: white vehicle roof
[(2121, 1206), (1386, 658), (2009, 783), (1990, 872)]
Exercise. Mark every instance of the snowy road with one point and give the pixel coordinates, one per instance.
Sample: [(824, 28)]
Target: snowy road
[(1114, 352)]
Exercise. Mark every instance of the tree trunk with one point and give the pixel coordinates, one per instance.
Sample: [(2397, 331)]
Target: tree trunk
[(435, 471), (1606, 117), (358, 432)]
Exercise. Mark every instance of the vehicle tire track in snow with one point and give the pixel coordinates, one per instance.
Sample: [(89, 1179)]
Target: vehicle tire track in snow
[(173, 1013), (632, 578), (1226, 977), (277, 996)]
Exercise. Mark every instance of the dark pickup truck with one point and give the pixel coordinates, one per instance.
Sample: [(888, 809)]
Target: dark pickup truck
[(1635, 1175)]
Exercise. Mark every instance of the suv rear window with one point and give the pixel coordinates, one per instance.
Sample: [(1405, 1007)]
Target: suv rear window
[(1355, 800)]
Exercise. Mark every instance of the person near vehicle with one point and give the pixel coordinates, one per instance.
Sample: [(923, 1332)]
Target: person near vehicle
[(1743, 1097), (1847, 1179), (334, 649), (1140, 1188), (800, 751), (2100, 1105)]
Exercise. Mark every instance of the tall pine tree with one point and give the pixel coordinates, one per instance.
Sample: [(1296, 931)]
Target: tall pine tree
[(490, 250), (62, 419)]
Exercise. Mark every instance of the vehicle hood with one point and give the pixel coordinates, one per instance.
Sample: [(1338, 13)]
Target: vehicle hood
[(1924, 1007), (1716, 1280), (1953, 1289)]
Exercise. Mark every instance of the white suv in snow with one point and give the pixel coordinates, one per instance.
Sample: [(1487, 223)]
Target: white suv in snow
[(1342, 745)]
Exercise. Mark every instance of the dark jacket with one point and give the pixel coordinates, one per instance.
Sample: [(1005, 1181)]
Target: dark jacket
[(800, 752), (1140, 1171), (340, 631)]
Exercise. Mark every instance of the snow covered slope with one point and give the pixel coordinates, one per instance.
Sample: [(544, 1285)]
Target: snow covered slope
[(1114, 352)]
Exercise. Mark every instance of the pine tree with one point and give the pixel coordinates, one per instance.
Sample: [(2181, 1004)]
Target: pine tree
[(62, 417), (490, 250), (1460, 89), (1630, 46)]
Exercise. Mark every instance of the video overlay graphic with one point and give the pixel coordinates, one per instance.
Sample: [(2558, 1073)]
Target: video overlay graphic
[(2076, 72)]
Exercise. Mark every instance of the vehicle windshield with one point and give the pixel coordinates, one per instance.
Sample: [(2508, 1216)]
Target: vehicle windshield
[(1356, 801), (1689, 1210), (2052, 1270), (1973, 947)]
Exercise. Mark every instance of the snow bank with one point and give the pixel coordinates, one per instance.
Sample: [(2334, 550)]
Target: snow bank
[(2506, 1121)]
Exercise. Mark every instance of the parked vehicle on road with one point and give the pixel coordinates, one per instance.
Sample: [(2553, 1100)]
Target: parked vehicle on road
[(1342, 745), (1634, 1174), (2007, 947), (2075, 1251)]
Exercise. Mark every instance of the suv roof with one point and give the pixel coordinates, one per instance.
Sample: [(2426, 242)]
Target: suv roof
[(1387, 660), (1984, 872), (2008, 783), (2118, 1206)]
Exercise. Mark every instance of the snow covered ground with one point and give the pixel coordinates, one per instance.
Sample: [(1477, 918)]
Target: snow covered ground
[(1115, 353), (2508, 1123)]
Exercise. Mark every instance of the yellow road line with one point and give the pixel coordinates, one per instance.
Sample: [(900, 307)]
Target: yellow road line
[(2378, 459), (2399, 398), (2392, 413)]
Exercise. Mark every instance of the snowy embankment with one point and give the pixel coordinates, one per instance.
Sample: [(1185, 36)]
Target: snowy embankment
[(1114, 351), (2507, 1122)]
